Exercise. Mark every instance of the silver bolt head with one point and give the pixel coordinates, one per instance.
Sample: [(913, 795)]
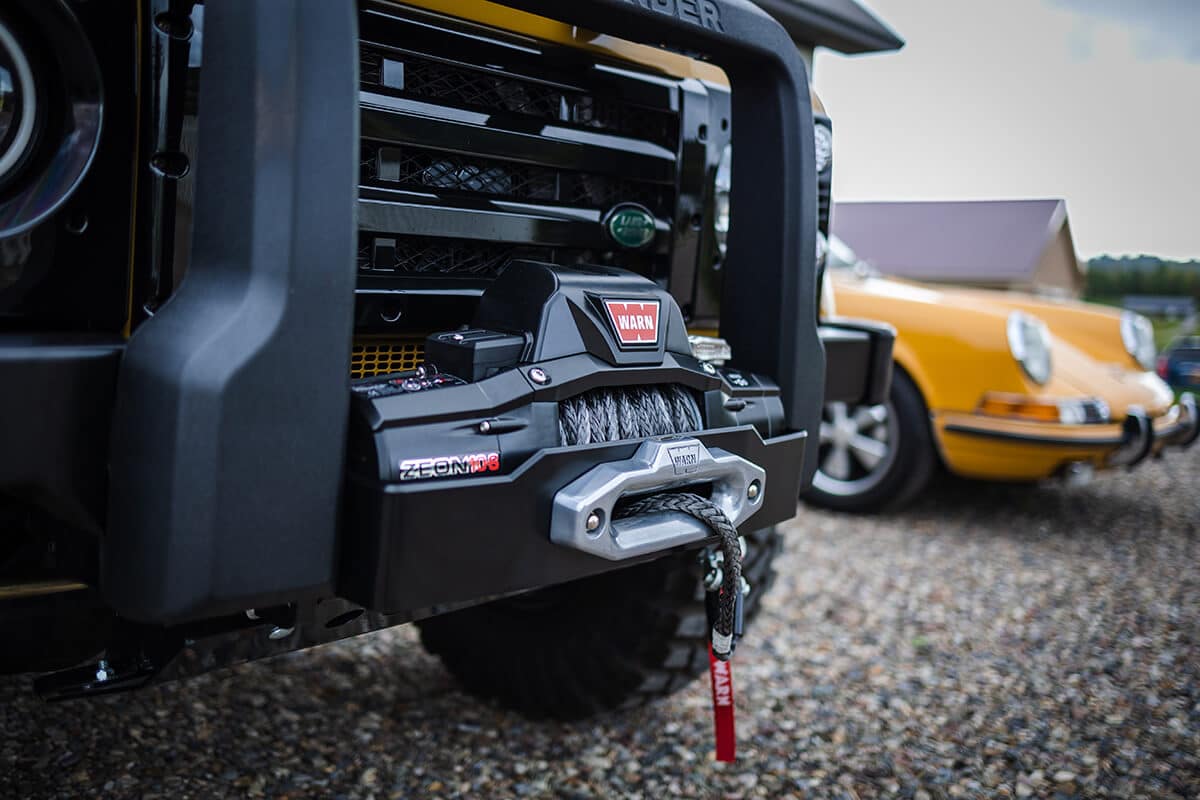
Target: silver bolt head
[(593, 522), (538, 375), (709, 368), (485, 426), (713, 579), (754, 491)]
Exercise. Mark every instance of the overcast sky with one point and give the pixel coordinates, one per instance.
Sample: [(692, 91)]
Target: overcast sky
[(1097, 101)]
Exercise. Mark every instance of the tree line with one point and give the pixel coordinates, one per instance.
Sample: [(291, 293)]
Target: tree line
[(1109, 276)]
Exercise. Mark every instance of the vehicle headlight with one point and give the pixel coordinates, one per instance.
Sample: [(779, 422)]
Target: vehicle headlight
[(1029, 343), (1138, 335), (823, 141), (721, 186), (18, 103)]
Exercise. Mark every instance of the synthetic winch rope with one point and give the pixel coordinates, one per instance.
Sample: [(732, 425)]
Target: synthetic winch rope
[(627, 412), (711, 515), (612, 414)]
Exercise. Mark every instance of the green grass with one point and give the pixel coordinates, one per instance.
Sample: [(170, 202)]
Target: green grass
[(1166, 330)]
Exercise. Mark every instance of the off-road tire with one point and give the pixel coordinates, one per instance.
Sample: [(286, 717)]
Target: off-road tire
[(910, 471), (614, 641)]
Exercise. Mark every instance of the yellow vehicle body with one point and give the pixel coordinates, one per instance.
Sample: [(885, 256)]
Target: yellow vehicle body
[(952, 343), (525, 24), (504, 18)]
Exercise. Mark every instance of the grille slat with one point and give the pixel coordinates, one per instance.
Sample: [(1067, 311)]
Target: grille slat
[(430, 169), (466, 87)]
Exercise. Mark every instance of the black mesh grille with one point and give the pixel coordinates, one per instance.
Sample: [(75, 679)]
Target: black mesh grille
[(457, 85), (431, 169), (416, 255)]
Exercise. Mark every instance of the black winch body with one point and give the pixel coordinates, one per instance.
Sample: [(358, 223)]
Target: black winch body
[(456, 471)]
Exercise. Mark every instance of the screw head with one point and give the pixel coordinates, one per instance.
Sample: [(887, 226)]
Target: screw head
[(485, 426), (754, 491), (538, 375), (593, 522), (708, 368)]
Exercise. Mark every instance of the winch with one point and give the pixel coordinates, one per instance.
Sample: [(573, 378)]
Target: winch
[(505, 459)]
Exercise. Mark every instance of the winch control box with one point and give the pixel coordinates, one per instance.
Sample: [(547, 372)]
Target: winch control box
[(474, 354)]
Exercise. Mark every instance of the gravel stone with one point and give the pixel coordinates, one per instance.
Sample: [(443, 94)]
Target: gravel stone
[(992, 641)]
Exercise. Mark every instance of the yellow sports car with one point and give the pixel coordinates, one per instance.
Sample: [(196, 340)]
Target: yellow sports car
[(993, 385)]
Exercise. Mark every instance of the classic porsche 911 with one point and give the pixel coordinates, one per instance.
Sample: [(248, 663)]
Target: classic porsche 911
[(992, 385)]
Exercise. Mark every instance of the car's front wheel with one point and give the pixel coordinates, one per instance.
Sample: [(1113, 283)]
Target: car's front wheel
[(874, 457)]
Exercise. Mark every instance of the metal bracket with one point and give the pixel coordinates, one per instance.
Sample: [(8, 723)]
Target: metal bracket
[(582, 517)]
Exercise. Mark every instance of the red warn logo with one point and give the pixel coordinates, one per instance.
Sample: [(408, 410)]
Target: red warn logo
[(635, 321)]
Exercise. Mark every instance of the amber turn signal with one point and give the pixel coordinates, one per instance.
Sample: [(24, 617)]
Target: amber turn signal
[(1041, 409)]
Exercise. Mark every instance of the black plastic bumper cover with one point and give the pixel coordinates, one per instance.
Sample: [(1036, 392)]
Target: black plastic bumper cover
[(230, 425), (232, 402)]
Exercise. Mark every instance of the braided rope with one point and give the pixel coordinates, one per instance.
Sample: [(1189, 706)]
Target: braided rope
[(639, 412), (627, 412), (711, 515)]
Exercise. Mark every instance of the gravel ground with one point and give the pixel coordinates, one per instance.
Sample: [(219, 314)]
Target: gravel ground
[(992, 641)]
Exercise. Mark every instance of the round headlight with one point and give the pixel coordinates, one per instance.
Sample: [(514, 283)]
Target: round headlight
[(18, 102), (1138, 336), (1029, 343), (721, 187), (823, 141)]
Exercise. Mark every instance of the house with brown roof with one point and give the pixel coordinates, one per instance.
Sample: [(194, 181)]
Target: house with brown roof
[(1003, 244)]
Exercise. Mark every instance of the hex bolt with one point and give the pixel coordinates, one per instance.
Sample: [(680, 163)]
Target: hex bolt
[(594, 521), (485, 426), (539, 376), (754, 491), (708, 368), (103, 673)]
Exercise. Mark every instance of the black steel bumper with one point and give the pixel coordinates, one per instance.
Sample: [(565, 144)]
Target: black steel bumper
[(229, 431), (858, 360)]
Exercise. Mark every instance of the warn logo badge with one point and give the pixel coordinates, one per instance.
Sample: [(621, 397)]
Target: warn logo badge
[(635, 321)]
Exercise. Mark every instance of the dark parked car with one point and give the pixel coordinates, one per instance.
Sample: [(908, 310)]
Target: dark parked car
[(1179, 364)]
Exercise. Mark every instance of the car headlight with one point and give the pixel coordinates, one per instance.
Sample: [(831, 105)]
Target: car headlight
[(721, 187), (1029, 343), (1138, 335), (18, 103), (823, 141)]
